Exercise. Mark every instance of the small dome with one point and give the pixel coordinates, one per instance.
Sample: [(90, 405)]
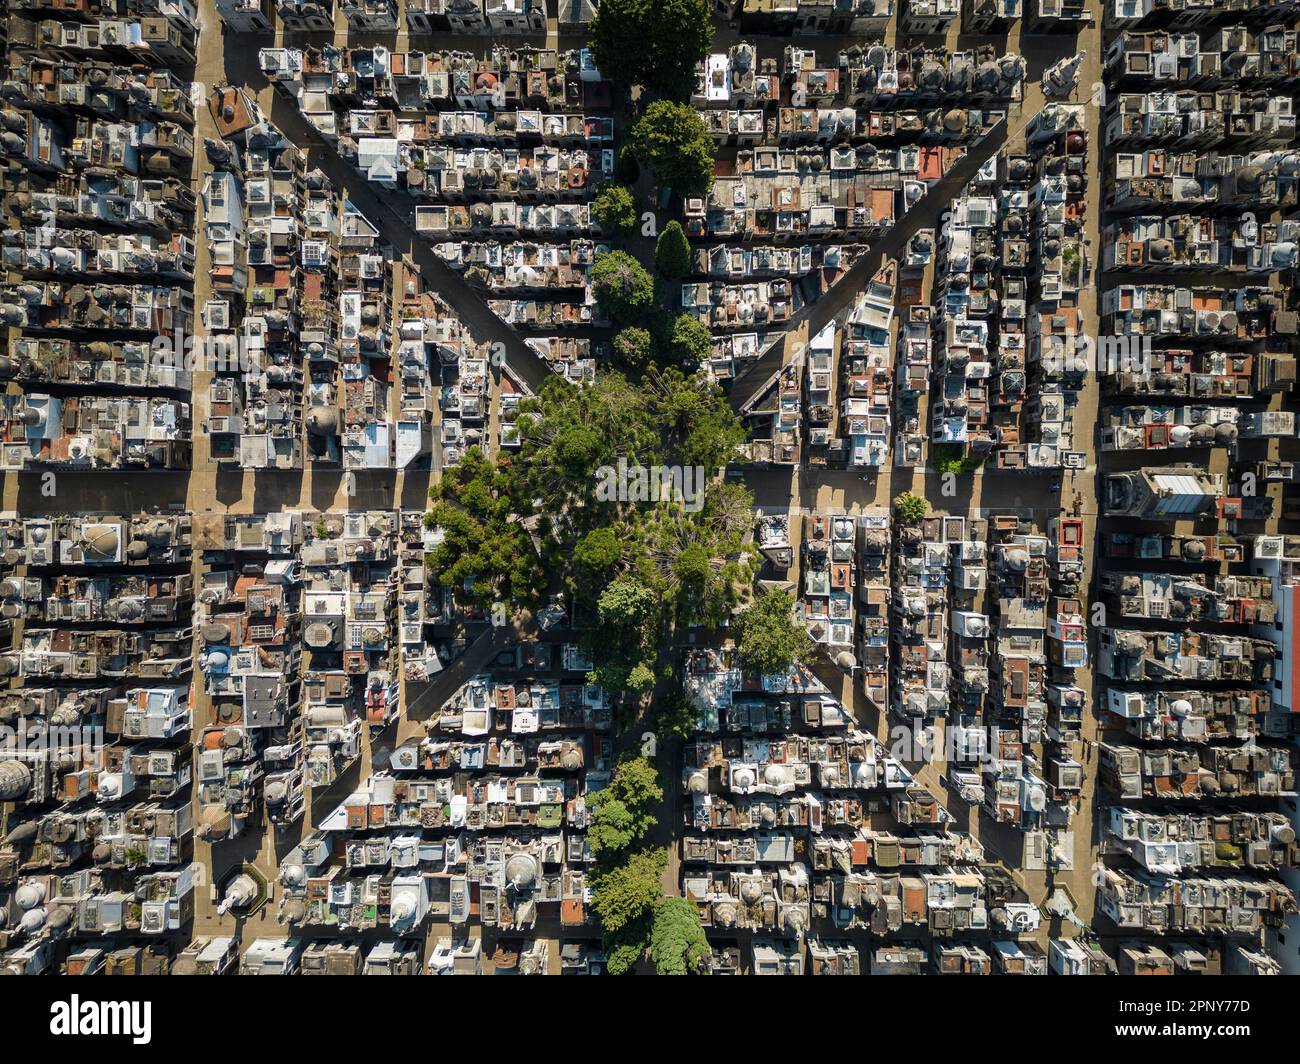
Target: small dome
[(323, 421), (521, 871), (15, 780), (29, 895)]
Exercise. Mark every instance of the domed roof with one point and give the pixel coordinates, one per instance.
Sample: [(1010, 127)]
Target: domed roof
[(323, 420), (15, 779), (29, 895), (100, 542), (521, 871)]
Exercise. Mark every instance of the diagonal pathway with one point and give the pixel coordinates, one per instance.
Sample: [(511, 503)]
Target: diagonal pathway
[(384, 211), (925, 214)]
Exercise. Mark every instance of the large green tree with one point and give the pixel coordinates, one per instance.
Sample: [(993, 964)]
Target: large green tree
[(625, 948), (678, 945), (567, 434), (678, 558), (622, 813), (486, 554), (623, 288), (694, 418), (672, 140), (655, 43), (623, 645), (596, 560), (615, 209), (673, 252), (692, 342), (675, 714), (632, 346), (703, 571), (769, 636), (627, 892)]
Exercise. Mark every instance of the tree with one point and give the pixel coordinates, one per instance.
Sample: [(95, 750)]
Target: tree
[(624, 950), (675, 715), (695, 420), (949, 458), (626, 603), (596, 558), (674, 142), (728, 510), (632, 346), (612, 826), (678, 945), (615, 208), (672, 252), (624, 290), (636, 782), (621, 813), (626, 893), (701, 571), (486, 554), (911, 509), (627, 169), (769, 638), (623, 645), (640, 678), (692, 342), (655, 43), (566, 435)]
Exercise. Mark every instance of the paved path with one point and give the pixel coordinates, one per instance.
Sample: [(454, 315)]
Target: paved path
[(750, 384)]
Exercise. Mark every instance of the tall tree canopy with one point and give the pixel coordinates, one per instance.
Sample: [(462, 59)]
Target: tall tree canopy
[(672, 139), (655, 43), (486, 554), (673, 252), (678, 945), (623, 288), (770, 638)]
